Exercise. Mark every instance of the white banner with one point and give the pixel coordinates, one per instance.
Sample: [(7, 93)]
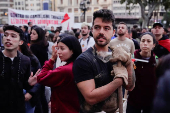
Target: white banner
[(44, 19)]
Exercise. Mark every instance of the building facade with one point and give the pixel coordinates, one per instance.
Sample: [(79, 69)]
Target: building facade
[(73, 6), (4, 5)]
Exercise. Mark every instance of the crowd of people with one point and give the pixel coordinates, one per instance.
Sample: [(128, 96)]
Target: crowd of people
[(43, 71)]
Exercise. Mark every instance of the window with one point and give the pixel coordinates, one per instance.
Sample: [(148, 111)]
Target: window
[(89, 9), (97, 1), (69, 2), (70, 10), (18, 3), (96, 8), (22, 8), (31, 4), (38, 4), (76, 19), (62, 10), (82, 18), (161, 14), (61, 1), (75, 10), (15, 3), (89, 19), (26, 5)]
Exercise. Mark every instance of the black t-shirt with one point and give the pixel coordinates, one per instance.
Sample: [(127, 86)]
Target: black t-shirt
[(88, 66)]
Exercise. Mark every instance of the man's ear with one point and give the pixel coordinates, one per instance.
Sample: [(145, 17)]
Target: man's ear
[(21, 42)]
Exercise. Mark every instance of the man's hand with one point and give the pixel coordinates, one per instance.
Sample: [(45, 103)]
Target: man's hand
[(120, 72), (33, 79), (27, 97), (119, 54)]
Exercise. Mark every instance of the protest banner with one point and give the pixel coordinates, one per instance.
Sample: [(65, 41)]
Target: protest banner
[(44, 18)]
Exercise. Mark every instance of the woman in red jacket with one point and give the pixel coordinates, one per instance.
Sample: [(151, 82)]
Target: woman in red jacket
[(64, 97), (141, 97)]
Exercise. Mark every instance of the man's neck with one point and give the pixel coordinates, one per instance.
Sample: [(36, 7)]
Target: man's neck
[(85, 37), (99, 48), (10, 54), (122, 38), (158, 37)]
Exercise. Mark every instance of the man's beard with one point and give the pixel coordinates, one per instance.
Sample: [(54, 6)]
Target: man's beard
[(121, 34), (99, 44), (84, 34)]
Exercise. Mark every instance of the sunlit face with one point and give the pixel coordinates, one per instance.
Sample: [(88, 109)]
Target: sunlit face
[(34, 35), (64, 52), (102, 32), (11, 40), (121, 29), (85, 31), (146, 43)]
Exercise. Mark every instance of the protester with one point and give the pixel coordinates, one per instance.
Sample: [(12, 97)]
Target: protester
[(39, 47), (64, 97), (121, 40), (15, 71), (32, 96), (26, 34), (97, 88), (162, 100), (163, 47), (86, 41), (141, 98)]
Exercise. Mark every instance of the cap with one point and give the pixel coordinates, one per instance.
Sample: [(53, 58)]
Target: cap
[(159, 24)]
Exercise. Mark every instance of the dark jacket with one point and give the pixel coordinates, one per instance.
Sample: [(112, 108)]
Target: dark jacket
[(35, 91), (13, 79), (162, 98), (160, 50), (142, 95), (40, 52)]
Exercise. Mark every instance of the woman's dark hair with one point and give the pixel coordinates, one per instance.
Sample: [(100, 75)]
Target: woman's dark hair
[(26, 28), (106, 15), (25, 49), (41, 37), (73, 44), (77, 34), (50, 37), (163, 65), (149, 33), (134, 33)]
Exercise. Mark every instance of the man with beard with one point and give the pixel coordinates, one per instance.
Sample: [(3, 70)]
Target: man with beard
[(97, 88), (163, 47), (122, 40), (86, 41)]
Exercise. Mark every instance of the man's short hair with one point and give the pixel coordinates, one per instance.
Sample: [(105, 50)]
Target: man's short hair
[(106, 15), (124, 24), (85, 24), (14, 28)]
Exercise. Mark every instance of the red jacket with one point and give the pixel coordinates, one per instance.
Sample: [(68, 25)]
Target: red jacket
[(64, 97), (143, 93)]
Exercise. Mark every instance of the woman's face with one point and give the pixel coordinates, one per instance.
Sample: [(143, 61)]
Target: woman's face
[(34, 35), (64, 52), (146, 43)]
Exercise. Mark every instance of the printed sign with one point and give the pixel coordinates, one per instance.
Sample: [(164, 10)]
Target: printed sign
[(44, 19)]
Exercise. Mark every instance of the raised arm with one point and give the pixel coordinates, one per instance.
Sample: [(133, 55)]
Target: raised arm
[(95, 95)]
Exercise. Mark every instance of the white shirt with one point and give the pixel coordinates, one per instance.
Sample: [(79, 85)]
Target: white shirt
[(85, 45)]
